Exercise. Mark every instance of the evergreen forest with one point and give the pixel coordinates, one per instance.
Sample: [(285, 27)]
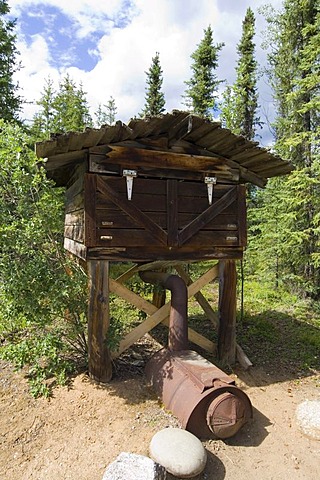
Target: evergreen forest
[(43, 292)]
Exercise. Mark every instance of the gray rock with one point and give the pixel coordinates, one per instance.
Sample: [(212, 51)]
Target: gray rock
[(129, 466), (308, 418), (179, 452)]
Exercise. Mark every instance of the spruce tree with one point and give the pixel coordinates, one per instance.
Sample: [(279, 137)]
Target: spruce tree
[(201, 92), (154, 100), (106, 114), (294, 76), (239, 111), (71, 106), (65, 110), (43, 121), (10, 101)]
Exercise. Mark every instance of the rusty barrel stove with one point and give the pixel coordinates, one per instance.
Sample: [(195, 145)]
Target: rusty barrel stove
[(203, 397)]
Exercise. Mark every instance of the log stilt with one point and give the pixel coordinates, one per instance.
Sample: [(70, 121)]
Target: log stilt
[(100, 366), (227, 311)]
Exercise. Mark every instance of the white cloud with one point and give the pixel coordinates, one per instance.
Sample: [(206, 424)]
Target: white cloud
[(88, 15), (35, 59), (171, 27)]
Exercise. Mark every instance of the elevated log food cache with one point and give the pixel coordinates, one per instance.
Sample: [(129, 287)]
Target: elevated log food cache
[(163, 189)]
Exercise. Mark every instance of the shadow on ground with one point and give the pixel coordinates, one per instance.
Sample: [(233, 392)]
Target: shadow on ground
[(285, 348), (214, 470)]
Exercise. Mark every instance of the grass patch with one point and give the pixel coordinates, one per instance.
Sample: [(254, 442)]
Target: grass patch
[(279, 330)]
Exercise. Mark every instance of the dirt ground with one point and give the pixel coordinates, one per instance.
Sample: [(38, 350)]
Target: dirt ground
[(78, 432)]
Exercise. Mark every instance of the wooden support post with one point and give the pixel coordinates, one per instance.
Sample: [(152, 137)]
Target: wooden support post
[(100, 366), (227, 311)]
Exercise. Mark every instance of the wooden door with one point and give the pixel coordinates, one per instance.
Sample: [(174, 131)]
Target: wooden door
[(164, 213)]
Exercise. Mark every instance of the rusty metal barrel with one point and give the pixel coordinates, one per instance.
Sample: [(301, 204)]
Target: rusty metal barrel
[(203, 397)]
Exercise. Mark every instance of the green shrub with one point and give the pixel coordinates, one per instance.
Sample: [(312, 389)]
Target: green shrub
[(42, 292)]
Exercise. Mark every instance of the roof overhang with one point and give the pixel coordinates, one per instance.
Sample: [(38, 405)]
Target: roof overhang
[(179, 133)]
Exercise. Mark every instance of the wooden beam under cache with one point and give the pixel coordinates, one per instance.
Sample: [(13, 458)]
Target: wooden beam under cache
[(156, 315)]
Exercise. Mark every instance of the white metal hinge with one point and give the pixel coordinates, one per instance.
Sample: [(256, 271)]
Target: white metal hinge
[(129, 174), (210, 181)]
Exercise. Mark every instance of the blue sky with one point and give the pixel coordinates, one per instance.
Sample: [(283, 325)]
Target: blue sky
[(108, 46)]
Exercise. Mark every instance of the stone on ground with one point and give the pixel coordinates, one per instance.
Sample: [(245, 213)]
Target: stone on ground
[(308, 418), (129, 466), (179, 452)]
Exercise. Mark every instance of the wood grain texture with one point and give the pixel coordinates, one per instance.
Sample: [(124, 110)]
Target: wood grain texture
[(172, 213), (227, 311), (207, 216), (100, 367), (90, 183), (135, 213)]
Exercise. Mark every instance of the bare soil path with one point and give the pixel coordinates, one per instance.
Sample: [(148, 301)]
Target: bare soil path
[(78, 432)]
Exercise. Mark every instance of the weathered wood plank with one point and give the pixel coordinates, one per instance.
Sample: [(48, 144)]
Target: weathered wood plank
[(115, 218), (99, 164), (124, 238), (227, 311), (172, 213), (138, 332), (75, 203), (155, 252), (267, 171), (62, 159), (208, 215), (202, 341), (158, 265), (205, 305), (140, 185), (76, 180), (100, 366), (140, 237), (127, 275), (131, 297), (168, 160), (203, 302), (74, 189), (74, 218), (242, 358), (136, 214), (90, 210), (145, 203), (198, 339), (74, 232), (199, 189), (249, 176), (76, 248), (207, 277), (160, 314), (242, 215), (157, 203)]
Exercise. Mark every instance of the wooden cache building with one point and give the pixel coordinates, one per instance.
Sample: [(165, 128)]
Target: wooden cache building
[(159, 191)]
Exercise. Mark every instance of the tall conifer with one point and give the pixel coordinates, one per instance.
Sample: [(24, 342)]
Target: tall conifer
[(65, 110), (43, 121), (239, 111), (10, 102), (106, 114), (294, 76), (154, 100), (200, 95), (71, 106)]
